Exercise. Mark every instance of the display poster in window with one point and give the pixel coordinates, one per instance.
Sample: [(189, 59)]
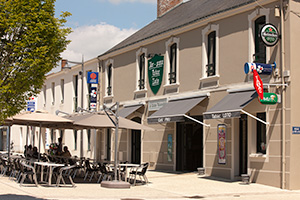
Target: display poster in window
[(93, 97), (170, 147), (222, 143), (155, 72)]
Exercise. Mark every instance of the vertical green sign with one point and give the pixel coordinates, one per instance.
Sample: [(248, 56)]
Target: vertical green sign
[(155, 72)]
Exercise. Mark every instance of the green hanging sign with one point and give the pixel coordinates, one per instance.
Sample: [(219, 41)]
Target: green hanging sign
[(269, 98), (155, 72)]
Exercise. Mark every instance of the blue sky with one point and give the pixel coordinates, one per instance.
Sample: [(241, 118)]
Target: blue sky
[(98, 25)]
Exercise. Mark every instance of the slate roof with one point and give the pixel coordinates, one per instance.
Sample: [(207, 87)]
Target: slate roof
[(182, 15)]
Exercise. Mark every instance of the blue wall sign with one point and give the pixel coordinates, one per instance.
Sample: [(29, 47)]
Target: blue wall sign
[(92, 77), (296, 130)]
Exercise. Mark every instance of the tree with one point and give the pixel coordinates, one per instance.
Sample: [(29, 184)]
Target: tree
[(31, 40)]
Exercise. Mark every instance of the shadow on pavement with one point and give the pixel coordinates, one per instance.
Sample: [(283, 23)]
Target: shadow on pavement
[(18, 197)]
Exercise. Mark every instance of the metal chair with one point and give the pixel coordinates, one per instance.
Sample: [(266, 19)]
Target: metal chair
[(27, 170), (65, 171), (141, 172)]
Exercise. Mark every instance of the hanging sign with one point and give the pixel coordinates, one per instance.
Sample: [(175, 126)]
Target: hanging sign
[(269, 98), (155, 72), (222, 143), (269, 35), (92, 77), (93, 97), (260, 68), (258, 84)]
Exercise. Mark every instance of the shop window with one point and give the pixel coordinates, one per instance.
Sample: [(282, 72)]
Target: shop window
[(211, 54), (141, 81), (261, 134), (173, 63), (260, 48), (75, 98)]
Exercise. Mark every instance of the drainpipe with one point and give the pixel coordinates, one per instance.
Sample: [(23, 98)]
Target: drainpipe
[(283, 181), (99, 102)]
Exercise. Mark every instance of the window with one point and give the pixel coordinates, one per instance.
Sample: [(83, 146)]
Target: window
[(75, 139), (173, 63), (141, 81), (260, 48), (261, 134), (52, 136), (75, 98), (53, 92), (62, 90), (89, 139), (211, 54), (45, 95)]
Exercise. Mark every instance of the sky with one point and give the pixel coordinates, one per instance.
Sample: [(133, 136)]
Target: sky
[(98, 25)]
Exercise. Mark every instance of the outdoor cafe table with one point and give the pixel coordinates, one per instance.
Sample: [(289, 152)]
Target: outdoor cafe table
[(51, 166), (128, 165)]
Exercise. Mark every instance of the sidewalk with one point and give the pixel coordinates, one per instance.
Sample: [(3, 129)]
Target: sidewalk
[(162, 186)]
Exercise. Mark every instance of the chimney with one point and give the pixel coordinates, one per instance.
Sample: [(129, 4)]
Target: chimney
[(64, 63), (163, 6)]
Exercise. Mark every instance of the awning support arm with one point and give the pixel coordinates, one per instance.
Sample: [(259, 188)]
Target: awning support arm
[(262, 121), (208, 125)]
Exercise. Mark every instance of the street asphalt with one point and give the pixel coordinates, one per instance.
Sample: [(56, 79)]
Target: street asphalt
[(162, 185)]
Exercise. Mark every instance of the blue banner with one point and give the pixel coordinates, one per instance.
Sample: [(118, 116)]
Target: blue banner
[(92, 77)]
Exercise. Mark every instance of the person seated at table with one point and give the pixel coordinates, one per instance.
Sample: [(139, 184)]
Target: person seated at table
[(59, 147), (66, 152), (35, 153), (29, 151)]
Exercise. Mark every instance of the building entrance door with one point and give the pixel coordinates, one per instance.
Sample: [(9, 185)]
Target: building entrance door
[(243, 164), (189, 145), (136, 144)]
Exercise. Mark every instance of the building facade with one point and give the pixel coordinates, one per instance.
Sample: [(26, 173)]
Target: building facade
[(184, 75)]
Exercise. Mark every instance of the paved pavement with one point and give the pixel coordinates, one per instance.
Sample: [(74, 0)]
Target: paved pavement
[(162, 186)]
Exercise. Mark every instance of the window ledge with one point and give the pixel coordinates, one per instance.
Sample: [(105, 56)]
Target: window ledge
[(258, 157), (106, 98), (210, 78), (140, 91), (171, 86)]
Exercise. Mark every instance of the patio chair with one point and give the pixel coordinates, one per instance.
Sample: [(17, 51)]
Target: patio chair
[(65, 172), (141, 172), (105, 173), (79, 167), (89, 169), (4, 166), (26, 171)]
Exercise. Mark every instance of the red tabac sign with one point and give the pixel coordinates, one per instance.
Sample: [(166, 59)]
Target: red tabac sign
[(258, 84)]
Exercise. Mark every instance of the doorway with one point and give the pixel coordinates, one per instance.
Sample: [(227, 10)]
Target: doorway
[(136, 143), (243, 147), (189, 145), (108, 144)]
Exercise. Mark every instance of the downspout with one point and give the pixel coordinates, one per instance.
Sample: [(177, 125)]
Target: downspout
[(283, 181)]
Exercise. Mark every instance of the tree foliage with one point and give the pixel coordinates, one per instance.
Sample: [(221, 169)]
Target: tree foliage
[(31, 40)]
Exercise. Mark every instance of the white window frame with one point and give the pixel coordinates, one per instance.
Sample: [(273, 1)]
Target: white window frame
[(62, 90), (169, 43), (107, 64), (138, 54), (205, 32), (259, 12), (53, 92)]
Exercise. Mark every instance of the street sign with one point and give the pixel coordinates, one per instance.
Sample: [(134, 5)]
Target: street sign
[(296, 130), (31, 103)]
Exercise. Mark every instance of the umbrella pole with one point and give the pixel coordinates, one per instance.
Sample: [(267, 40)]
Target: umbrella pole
[(116, 140), (8, 142), (40, 133)]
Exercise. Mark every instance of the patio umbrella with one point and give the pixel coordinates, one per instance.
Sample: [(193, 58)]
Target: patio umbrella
[(41, 119), (101, 120)]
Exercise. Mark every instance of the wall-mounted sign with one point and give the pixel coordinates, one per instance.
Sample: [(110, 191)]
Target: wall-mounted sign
[(258, 84), (269, 34), (222, 143), (269, 98), (92, 77), (170, 147), (156, 104), (296, 130), (155, 72), (93, 97), (260, 68), (31, 104)]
